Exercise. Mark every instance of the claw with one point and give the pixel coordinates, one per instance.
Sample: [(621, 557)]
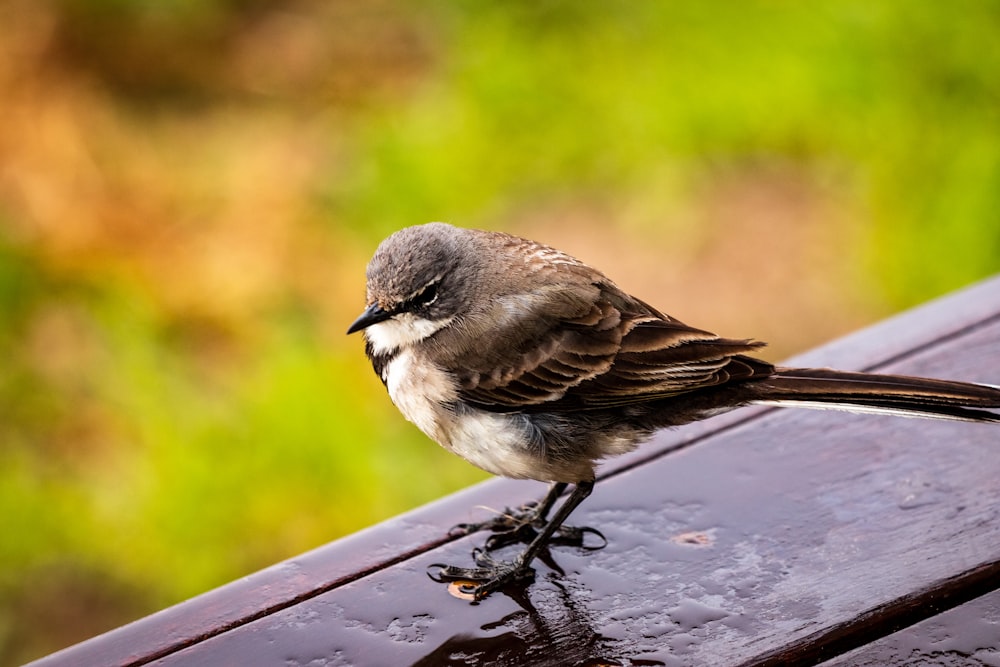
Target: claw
[(522, 534), (570, 536), (446, 573), (575, 537), (462, 529), (528, 524), (505, 521), (476, 583)]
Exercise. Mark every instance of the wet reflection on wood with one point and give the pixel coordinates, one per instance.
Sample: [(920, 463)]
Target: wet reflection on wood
[(763, 537)]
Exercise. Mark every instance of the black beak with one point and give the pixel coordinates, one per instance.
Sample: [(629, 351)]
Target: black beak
[(373, 315)]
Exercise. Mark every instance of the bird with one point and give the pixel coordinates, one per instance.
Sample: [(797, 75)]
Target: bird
[(530, 364)]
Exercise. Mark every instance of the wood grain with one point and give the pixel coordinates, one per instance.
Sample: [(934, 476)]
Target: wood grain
[(760, 537)]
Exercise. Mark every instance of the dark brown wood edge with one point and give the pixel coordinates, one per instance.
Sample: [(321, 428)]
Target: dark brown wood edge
[(401, 538), (965, 629), (881, 621)]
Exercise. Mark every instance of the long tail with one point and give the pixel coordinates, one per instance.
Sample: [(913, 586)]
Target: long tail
[(865, 392)]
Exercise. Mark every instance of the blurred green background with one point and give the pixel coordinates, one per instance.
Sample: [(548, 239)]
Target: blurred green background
[(190, 190)]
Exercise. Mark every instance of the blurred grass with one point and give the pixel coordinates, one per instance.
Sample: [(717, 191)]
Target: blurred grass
[(189, 192)]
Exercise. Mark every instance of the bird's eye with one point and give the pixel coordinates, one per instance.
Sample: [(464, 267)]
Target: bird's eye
[(426, 297)]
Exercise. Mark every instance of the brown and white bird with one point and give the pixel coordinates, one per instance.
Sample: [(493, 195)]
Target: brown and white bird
[(530, 364)]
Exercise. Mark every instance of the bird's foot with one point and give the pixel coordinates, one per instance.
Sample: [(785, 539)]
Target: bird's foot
[(522, 525), (569, 536), (489, 575), (506, 521)]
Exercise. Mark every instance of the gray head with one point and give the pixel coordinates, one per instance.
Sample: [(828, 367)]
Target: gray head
[(418, 280), (424, 278)]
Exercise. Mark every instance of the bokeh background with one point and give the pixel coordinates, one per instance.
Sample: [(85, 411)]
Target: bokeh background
[(190, 190)]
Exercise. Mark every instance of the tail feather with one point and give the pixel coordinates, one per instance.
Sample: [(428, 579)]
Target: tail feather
[(865, 392)]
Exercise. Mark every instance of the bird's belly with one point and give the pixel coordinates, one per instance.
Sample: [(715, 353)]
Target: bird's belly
[(497, 443), (427, 396), (502, 444)]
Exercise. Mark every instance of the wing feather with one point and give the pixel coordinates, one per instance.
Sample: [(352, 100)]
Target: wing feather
[(620, 351)]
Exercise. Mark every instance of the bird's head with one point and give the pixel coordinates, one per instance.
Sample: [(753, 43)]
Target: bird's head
[(418, 283)]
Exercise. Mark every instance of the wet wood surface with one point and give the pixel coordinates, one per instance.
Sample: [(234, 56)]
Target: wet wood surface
[(761, 537)]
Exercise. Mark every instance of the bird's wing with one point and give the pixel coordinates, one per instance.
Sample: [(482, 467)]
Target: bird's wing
[(662, 358), (621, 351)]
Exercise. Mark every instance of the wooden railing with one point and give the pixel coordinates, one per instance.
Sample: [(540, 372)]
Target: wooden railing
[(761, 537)]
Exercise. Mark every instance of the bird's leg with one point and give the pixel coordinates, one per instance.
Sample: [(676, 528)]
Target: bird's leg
[(494, 574), (523, 525), (515, 525), (541, 509)]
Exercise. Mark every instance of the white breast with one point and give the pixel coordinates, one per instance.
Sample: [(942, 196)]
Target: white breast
[(497, 443), (420, 391)]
